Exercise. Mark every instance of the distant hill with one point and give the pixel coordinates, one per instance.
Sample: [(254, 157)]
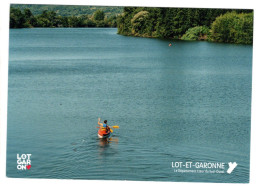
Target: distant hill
[(71, 10)]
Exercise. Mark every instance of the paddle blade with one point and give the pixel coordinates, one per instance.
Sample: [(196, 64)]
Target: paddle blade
[(111, 130), (115, 127)]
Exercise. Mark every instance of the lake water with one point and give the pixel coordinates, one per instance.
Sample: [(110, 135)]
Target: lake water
[(186, 103)]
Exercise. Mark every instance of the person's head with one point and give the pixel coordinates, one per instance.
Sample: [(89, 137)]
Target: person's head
[(105, 121)]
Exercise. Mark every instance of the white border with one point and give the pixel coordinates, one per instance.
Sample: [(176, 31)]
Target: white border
[(4, 33)]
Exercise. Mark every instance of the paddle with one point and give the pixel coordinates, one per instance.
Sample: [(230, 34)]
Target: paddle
[(115, 127)]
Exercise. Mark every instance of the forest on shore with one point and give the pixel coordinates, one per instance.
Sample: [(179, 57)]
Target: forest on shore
[(70, 10), (24, 18), (217, 25)]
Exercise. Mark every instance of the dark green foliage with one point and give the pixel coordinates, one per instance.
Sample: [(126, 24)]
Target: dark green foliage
[(139, 22), (25, 19), (177, 23), (168, 22), (17, 18), (99, 15), (124, 21), (72, 10), (233, 28), (196, 33), (221, 25)]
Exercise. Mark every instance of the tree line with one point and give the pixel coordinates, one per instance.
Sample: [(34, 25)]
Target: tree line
[(220, 25), (71, 10), (25, 19)]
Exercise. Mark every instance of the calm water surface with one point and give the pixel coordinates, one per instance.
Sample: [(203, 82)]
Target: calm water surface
[(188, 102)]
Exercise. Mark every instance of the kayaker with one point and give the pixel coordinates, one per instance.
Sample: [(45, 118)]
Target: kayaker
[(104, 125)]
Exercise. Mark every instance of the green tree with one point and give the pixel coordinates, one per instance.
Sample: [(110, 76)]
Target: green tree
[(233, 28), (99, 15), (47, 19), (196, 33), (90, 23), (30, 20), (17, 19), (139, 22), (124, 21), (27, 13), (43, 22), (73, 21)]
